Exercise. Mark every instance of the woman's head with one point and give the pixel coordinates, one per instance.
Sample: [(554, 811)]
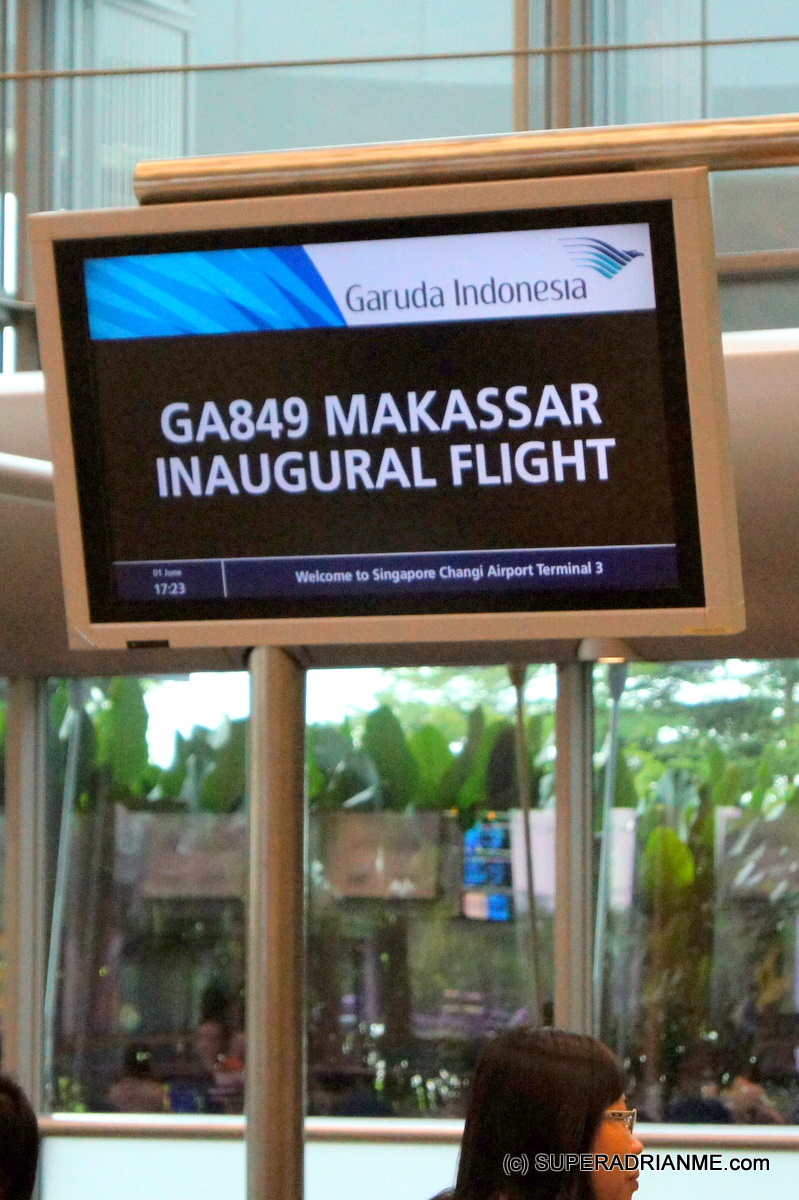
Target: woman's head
[(535, 1092)]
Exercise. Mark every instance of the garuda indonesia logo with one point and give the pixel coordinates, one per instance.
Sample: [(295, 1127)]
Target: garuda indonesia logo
[(601, 256)]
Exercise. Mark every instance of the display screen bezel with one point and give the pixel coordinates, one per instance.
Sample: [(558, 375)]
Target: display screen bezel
[(712, 600), (96, 516)]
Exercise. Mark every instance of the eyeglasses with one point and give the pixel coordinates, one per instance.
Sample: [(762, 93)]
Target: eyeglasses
[(625, 1115)]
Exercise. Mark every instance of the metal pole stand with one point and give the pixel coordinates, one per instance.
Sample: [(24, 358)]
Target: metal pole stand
[(276, 949)]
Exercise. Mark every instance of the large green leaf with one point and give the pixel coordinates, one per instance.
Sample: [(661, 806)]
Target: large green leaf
[(314, 776), (727, 787), (624, 794), (434, 759), (537, 736), (122, 734), (792, 798), (342, 775), (171, 780), (716, 764), (224, 785), (667, 868), (501, 780), (195, 755), (764, 779), (385, 743), (463, 763), (678, 792), (473, 794)]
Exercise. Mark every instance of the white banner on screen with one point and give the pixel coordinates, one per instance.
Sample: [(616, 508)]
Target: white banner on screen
[(485, 276)]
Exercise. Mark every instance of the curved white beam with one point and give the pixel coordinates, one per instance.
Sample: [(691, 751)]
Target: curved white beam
[(26, 478)]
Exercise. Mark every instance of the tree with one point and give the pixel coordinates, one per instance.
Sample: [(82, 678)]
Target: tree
[(699, 738)]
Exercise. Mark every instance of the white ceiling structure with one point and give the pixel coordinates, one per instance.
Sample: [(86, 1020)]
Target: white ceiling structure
[(763, 392)]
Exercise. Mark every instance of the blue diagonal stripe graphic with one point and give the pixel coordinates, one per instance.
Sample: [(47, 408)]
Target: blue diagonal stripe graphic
[(207, 292)]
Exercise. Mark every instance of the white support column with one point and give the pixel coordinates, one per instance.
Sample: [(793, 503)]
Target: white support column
[(559, 66), (573, 849), (32, 158), (25, 900), (521, 65), (276, 947)]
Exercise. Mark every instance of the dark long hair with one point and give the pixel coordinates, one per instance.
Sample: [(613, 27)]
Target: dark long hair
[(19, 1142), (535, 1091)]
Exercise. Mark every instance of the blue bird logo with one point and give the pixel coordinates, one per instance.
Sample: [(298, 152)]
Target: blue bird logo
[(601, 256)]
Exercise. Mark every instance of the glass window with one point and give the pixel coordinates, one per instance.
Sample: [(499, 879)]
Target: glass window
[(318, 106), (748, 80), (102, 127), (698, 907), (682, 84), (753, 210), (761, 302), (147, 962), (420, 941), (639, 86), (420, 937)]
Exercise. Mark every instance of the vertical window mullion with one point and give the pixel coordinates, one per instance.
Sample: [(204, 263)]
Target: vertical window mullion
[(26, 891), (573, 849)]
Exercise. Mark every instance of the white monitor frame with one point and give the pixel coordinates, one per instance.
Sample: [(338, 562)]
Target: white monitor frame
[(688, 191)]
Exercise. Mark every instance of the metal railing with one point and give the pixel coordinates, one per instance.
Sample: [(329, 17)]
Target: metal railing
[(731, 144), (394, 1130), (758, 264), (368, 60), (563, 58)]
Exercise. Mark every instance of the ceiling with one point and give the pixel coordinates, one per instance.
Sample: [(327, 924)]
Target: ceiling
[(763, 391)]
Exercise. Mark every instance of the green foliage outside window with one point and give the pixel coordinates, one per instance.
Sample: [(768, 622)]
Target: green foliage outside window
[(701, 962), (710, 960)]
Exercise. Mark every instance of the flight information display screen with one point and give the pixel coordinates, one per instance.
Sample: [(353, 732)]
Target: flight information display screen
[(431, 414)]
